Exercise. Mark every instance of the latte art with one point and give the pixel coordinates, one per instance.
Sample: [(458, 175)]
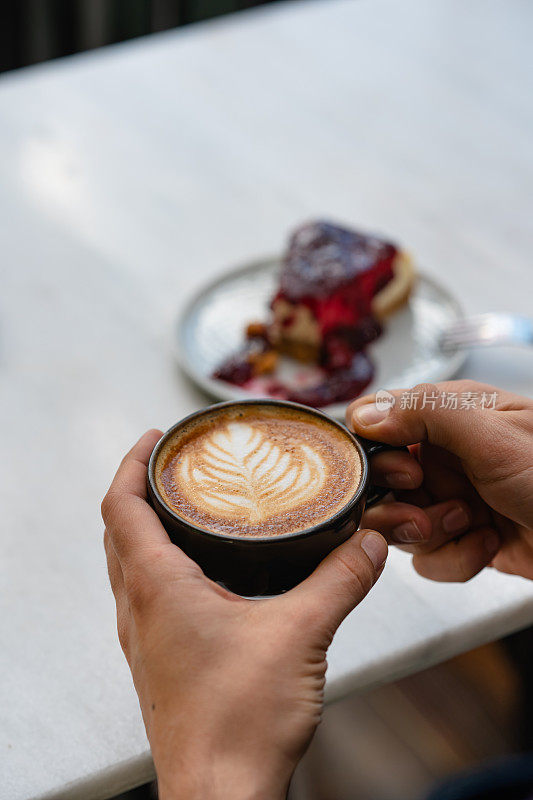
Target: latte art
[(257, 471), (239, 472)]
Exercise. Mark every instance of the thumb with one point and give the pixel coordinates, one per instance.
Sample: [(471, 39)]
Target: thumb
[(342, 580), (455, 415)]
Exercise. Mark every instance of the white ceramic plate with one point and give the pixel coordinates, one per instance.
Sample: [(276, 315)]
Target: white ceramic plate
[(211, 327)]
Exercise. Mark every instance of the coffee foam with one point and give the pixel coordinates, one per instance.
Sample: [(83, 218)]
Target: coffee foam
[(257, 470)]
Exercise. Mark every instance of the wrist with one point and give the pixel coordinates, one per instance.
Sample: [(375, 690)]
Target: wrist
[(215, 778), (195, 763)]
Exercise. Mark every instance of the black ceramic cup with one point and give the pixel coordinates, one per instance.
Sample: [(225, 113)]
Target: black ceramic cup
[(270, 565)]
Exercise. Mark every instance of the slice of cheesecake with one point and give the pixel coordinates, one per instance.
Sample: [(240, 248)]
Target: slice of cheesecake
[(336, 287)]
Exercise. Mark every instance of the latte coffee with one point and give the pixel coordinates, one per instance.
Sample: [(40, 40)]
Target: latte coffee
[(257, 470)]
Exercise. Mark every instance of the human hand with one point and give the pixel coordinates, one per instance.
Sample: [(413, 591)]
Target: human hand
[(474, 506), (230, 689)]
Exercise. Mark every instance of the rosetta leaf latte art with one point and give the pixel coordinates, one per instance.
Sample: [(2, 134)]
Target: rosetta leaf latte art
[(239, 472)]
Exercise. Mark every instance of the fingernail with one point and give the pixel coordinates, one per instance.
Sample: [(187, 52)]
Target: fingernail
[(455, 520), (376, 549), (407, 532), (370, 414), (492, 543), (399, 479)]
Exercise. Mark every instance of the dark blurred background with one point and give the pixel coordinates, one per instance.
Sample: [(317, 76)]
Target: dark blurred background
[(37, 30)]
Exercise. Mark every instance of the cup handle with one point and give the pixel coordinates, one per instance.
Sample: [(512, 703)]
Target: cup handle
[(377, 493)]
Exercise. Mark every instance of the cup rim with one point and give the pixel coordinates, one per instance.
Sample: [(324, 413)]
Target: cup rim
[(253, 540)]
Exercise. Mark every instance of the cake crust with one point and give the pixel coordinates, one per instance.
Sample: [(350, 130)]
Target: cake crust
[(397, 291)]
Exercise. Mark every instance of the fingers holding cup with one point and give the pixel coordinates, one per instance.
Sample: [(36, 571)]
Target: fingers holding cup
[(396, 469), (461, 559)]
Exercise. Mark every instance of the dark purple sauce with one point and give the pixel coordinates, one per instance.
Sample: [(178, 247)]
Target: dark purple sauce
[(322, 258)]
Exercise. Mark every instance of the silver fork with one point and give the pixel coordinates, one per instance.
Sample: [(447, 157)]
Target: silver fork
[(484, 330)]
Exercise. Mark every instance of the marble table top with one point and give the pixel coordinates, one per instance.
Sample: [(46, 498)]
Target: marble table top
[(131, 175)]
